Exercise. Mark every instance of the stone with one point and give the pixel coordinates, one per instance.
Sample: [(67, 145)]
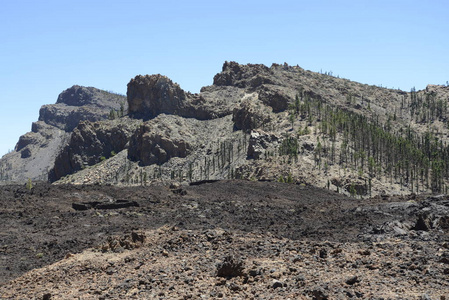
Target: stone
[(352, 280), (151, 95), (259, 141), (90, 143), (250, 115), (422, 224), (151, 146), (46, 296), (318, 293), (230, 267), (276, 97), (277, 284)]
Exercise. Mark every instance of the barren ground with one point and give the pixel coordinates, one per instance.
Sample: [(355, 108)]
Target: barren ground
[(226, 239)]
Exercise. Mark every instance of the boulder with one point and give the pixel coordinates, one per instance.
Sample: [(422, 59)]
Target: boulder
[(89, 143), (251, 114), (151, 95), (259, 141), (150, 145)]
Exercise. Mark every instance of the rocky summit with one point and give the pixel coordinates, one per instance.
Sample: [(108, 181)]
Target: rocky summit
[(255, 122), (35, 152)]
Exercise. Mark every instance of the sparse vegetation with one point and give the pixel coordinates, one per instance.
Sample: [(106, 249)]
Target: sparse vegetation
[(29, 184)]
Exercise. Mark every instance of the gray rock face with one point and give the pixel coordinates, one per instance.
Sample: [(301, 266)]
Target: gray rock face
[(276, 97), (248, 76), (156, 144), (76, 96), (258, 78), (259, 141), (149, 96), (213, 102), (251, 115), (34, 154), (80, 103), (89, 142), (36, 151)]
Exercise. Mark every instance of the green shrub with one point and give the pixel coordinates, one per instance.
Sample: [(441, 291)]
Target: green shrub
[(29, 184)]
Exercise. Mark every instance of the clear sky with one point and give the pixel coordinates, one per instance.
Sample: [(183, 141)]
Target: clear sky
[(48, 46)]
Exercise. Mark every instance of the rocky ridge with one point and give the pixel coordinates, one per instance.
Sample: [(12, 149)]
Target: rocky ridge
[(35, 152), (261, 102), (258, 122)]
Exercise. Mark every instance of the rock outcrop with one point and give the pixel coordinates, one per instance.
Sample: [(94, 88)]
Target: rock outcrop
[(81, 103), (250, 114), (248, 76), (259, 142), (90, 143), (257, 78), (36, 151), (149, 96), (152, 144)]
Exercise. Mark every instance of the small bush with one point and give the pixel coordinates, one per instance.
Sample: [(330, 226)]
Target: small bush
[(29, 185)]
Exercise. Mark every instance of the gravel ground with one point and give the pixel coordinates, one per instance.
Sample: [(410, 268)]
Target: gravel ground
[(227, 239)]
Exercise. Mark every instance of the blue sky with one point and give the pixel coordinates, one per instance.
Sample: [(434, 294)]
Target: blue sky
[(48, 46)]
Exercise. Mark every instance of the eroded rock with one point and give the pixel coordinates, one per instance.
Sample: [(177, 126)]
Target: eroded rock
[(150, 145), (251, 115), (151, 95)]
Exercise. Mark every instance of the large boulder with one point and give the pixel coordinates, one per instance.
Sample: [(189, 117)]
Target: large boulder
[(152, 144), (90, 143), (251, 114), (151, 95)]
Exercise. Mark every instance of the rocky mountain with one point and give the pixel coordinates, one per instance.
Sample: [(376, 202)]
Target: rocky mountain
[(35, 152), (279, 123)]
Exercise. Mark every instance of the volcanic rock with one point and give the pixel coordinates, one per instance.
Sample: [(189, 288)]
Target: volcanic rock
[(90, 143), (149, 96)]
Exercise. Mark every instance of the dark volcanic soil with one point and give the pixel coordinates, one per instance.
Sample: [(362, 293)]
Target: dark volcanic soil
[(40, 226)]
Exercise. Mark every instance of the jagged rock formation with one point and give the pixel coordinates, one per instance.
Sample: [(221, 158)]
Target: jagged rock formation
[(36, 151), (257, 78), (80, 103), (278, 123), (149, 96), (259, 142), (156, 144), (250, 114), (91, 143)]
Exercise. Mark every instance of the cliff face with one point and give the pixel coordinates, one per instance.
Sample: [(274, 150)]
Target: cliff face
[(149, 96), (90, 143), (80, 103), (36, 151)]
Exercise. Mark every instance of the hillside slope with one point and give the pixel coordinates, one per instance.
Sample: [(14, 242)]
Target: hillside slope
[(263, 123), (279, 123), (35, 152)]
